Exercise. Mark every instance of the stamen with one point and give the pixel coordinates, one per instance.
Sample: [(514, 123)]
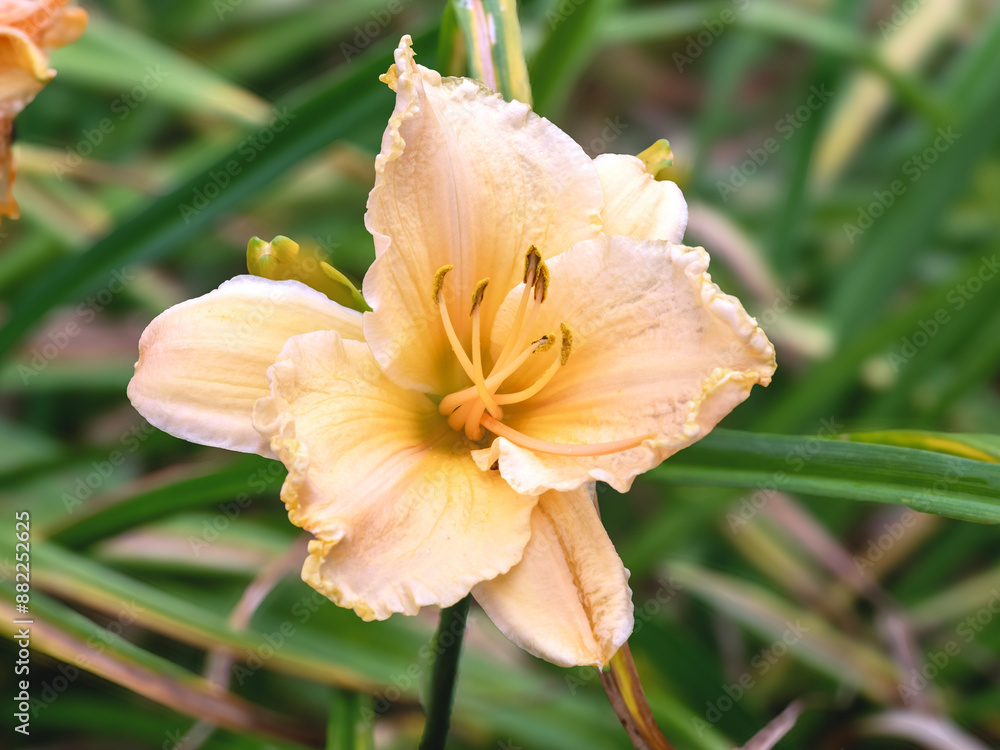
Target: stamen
[(453, 400), (473, 428), (456, 420), (561, 449), (532, 260), (566, 341), (538, 345), (456, 346), (477, 359), (520, 335)]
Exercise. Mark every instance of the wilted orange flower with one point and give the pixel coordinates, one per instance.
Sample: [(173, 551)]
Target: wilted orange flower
[(534, 329), (29, 30)]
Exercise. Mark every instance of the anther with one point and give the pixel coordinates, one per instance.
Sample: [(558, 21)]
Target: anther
[(532, 259), (477, 295), (439, 281), (542, 283), (544, 343), (567, 343)]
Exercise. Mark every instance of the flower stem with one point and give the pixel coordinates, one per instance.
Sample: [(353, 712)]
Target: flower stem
[(621, 683), (447, 646)]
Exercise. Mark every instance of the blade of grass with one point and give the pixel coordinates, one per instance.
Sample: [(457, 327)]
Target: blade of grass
[(925, 481), (119, 59), (814, 641), (776, 20), (166, 493), (81, 580), (565, 52), (100, 652)]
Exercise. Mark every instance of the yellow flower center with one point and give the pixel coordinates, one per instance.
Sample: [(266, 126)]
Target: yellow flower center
[(478, 406)]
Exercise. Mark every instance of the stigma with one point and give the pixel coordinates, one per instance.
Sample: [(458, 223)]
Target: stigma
[(479, 407)]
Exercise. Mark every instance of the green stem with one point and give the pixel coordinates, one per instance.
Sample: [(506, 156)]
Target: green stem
[(447, 650)]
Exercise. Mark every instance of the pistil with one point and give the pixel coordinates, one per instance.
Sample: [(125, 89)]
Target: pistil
[(561, 449)]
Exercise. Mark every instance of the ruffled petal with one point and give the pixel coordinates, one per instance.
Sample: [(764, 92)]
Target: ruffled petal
[(203, 363), (636, 205), (657, 350), (568, 600), (464, 179), (403, 518)]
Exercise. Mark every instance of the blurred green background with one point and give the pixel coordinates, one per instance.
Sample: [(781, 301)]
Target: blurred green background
[(840, 159)]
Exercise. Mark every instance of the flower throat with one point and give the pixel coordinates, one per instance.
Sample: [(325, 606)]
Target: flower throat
[(480, 405)]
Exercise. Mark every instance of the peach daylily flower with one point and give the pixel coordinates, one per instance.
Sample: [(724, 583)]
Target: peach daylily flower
[(29, 30), (535, 329)]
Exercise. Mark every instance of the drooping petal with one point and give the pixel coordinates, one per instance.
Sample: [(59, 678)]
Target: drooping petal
[(568, 600), (28, 32), (203, 363), (635, 204), (657, 350), (467, 179), (24, 70), (403, 518)]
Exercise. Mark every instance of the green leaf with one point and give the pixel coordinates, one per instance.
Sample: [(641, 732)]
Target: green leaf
[(773, 19), (925, 481), (68, 636), (347, 728), (573, 31), (976, 447), (122, 60), (178, 489), (808, 636), (885, 252)]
